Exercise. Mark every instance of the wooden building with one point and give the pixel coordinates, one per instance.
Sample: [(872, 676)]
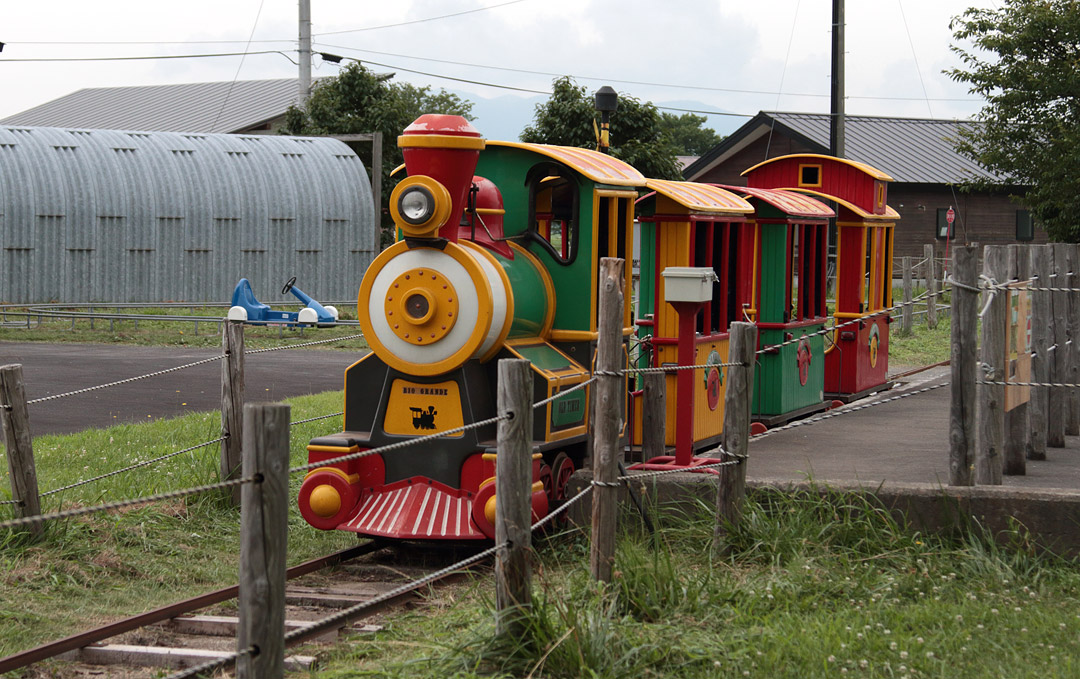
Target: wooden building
[(917, 153)]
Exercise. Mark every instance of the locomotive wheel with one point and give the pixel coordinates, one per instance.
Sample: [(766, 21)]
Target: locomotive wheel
[(562, 468), (548, 481)]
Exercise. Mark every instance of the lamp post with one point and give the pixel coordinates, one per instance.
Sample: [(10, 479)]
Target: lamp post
[(606, 101)]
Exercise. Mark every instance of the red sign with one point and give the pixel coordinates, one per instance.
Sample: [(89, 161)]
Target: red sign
[(950, 215)]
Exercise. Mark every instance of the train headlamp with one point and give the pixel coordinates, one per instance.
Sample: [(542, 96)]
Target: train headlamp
[(416, 205), (419, 206)]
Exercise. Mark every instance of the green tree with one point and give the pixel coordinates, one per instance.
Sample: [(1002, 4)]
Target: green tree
[(688, 135), (1024, 62), (637, 133), (358, 101)]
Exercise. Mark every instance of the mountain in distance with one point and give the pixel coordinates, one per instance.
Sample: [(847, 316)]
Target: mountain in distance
[(503, 118)]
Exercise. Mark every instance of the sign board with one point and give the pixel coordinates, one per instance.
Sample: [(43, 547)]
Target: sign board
[(950, 216), (1018, 346)]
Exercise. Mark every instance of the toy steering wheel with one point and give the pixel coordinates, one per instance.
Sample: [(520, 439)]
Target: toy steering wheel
[(288, 286)]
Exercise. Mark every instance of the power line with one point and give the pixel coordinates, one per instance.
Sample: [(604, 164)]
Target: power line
[(237, 42), (151, 57), (420, 21), (532, 91), (239, 66), (145, 42), (613, 80)]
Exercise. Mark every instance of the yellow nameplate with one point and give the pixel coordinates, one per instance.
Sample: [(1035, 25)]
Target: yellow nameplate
[(418, 409)]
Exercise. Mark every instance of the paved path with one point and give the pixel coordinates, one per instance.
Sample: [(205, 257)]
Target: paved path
[(906, 441), (901, 442), (57, 368)]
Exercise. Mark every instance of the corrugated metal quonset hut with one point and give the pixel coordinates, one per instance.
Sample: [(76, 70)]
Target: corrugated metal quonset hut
[(115, 216)]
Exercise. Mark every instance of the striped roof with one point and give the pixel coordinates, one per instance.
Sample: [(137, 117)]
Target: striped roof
[(700, 197), (788, 202), (599, 167), (194, 107), (910, 150)]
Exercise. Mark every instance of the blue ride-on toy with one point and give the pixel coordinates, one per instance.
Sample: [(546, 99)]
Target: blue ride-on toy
[(245, 307)]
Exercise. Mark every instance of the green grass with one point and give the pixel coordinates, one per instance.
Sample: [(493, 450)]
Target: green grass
[(164, 333), (923, 346), (107, 566), (812, 587)]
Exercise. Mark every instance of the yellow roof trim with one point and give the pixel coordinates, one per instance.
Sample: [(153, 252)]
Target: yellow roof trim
[(868, 169), (598, 167), (701, 197), (890, 214)]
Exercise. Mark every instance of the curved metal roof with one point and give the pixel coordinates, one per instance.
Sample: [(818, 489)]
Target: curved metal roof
[(788, 202), (701, 197), (165, 215), (599, 167)]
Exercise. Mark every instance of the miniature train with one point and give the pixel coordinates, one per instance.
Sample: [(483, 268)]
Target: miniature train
[(498, 253)]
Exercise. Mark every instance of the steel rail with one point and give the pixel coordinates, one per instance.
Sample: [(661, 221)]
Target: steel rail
[(77, 641)]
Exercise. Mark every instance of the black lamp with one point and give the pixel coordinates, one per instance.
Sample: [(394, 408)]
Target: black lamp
[(606, 100)]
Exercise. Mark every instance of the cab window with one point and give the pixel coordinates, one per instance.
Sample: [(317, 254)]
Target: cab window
[(553, 210)]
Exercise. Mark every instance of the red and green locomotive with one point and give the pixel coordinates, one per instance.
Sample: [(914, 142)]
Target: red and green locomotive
[(498, 256)]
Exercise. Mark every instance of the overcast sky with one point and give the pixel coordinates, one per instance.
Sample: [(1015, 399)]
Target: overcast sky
[(717, 55)]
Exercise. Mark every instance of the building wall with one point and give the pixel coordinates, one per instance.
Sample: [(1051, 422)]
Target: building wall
[(116, 216), (986, 219)]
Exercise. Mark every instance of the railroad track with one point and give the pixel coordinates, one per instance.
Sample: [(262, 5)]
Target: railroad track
[(184, 634)]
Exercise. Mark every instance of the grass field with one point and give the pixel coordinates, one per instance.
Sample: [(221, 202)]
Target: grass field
[(18, 326), (810, 588)]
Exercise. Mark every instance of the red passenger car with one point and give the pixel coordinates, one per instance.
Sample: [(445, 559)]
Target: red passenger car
[(857, 360)]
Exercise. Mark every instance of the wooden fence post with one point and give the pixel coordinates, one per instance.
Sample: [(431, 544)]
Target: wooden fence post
[(1041, 257), (735, 438), (962, 366), (608, 422), (513, 498), (1017, 421), (931, 286), (20, 449), (1072, 302), (232, 402), (264, 518), (1059, 396), (653, 416), (989, 455), (906, 316)]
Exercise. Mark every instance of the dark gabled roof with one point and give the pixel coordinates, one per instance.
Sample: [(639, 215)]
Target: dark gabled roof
[(914, 150), (194, 107)]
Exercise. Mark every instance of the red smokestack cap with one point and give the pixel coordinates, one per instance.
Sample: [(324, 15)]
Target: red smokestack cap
[(446, 149)]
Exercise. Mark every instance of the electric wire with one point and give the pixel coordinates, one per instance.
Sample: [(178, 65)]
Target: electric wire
[(228, 92)]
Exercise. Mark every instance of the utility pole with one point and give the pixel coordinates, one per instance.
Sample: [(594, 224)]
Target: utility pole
[(836, 117), (305, 51)]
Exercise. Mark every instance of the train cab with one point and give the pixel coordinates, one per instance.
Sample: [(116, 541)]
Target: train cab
[(787, 302), (857, 357), (689, 228)]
